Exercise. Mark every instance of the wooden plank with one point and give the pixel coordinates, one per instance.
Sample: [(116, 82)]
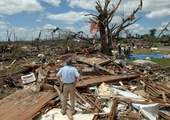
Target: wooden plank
[(11, 101), (96, 105), (97, 66), (166, 117), (162, 87), (113, 110), (78, 95), (152, 89), (99, 61), (127, 118), (10, 104), (70, 117), (58, 92), (122, 98), (25, 105), (107, 78), (17, 108), (96, 110), (36, 106)]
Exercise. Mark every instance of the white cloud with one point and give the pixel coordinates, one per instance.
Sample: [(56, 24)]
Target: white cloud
[(86, 29), (136, 29), (16, 6), (69, 17), (84, 4), (3, 25), (20, 29), (38, 20), (116, 19), (156, 8), (127, 7), (40, 17), (53, 2), (20, 32), (150, 5), (48, 26), (70, 28), (2, 22), (163, 25), (88, 4), (158, 14)]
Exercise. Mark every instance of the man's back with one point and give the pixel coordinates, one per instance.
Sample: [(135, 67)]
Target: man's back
[(68, 73)]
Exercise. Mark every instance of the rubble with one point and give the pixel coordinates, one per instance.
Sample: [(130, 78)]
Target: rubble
[(104, 93)]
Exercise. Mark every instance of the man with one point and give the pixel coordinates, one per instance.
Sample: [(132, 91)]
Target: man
[(119, 49), (69, 76)]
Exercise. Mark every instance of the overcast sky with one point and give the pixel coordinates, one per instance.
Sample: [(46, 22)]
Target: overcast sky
[(27, 17)]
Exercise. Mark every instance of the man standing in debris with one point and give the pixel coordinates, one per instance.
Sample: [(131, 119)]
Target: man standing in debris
[(119, 49), (69, 76)]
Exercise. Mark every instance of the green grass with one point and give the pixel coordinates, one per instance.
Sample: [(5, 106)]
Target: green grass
[(148, 51), (164, 62), (17, 66)]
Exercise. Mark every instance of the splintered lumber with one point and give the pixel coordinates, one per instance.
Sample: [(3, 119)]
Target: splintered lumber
[(96, 65), (152, 89), (122, 98), (13, 62), (96, 105), (113, 110), (127, 118), (80, 97), (166, 117), (104, 69), (96, 111), (16, 79), (24, 104), (162, 87), (70, 117), (107, 78), (99, 61), (105, 62), (58, 91)]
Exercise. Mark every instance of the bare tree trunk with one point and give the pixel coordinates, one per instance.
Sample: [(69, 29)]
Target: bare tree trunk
[(103, 19)]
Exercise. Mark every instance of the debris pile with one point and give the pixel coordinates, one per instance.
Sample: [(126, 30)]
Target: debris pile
[(108, 90)]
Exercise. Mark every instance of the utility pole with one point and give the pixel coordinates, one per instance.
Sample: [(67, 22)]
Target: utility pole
[(159, 35)]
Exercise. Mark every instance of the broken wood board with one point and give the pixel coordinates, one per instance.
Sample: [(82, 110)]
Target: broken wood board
[(16, 79), (107, 78), (99, 61), (96, 65), (24, 104)]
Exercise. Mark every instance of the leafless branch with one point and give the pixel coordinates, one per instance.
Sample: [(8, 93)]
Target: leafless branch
[(98, 7)]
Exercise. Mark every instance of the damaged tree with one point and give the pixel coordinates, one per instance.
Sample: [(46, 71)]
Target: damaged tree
[(38, 41), (104, 19)]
